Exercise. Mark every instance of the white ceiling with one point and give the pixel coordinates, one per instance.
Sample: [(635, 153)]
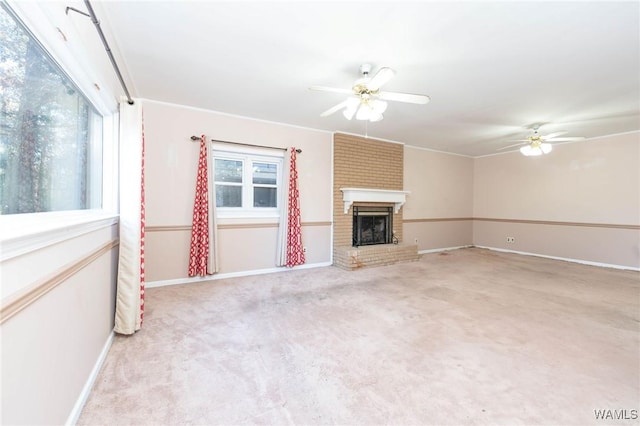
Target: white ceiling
[(492, 69)]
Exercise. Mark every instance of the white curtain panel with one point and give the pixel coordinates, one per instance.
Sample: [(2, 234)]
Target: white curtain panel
[(284, 211), (213, 265), (130, 288)]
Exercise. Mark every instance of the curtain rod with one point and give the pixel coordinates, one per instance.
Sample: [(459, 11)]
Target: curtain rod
[(95, 21), (196, 138)]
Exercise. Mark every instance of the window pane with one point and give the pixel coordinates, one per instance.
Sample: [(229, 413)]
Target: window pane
[(228, 171), (228, 196), (265, 173), (51, 136), (265, 197)]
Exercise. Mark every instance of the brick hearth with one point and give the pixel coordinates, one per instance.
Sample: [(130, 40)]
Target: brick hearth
[(351, 258)]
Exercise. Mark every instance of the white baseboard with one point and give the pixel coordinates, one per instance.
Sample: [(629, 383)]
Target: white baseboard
[(584, 262), (443, 249), (86, 390), (191, 280)]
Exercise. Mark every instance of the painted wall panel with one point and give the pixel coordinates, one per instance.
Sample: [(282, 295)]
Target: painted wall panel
[(595, 181), (611, 246), (50, 347), (432, 235), (438, 210), (592, 182), (441, 184), (171, 162), (243, 249), (167, 254), (19, 272)]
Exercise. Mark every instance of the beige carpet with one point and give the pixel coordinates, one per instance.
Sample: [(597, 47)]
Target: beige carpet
[(465, 337)]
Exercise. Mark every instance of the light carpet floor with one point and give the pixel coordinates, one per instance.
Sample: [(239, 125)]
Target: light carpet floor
[(470, 336)]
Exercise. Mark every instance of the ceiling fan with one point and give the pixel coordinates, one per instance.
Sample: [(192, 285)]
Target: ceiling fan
[(538, 144), (367, 102)]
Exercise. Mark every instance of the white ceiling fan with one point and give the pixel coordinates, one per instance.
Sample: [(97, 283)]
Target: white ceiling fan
[(537, 144), (367, 102)]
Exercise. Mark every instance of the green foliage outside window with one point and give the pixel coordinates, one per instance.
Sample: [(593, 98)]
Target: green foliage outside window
[(50, 135)]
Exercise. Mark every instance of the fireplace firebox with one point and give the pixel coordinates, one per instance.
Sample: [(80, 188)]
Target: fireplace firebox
[(372, 225)]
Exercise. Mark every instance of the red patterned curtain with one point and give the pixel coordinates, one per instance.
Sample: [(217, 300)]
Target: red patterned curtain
[(294, 250), (199, 252), (142, 230)]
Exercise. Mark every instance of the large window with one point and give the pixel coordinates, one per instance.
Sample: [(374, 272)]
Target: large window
[(50, 135), (246, 184)]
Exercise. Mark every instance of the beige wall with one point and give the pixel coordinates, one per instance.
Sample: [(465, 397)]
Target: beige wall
[(171, 162), (55, 328), (439, 209), (582, 201)]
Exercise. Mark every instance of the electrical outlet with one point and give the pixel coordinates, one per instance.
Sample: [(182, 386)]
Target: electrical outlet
[(511, 239), (304, 249), (415, 241)]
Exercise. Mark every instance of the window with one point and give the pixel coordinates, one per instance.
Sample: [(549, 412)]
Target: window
[(247, 184), (50, 136)]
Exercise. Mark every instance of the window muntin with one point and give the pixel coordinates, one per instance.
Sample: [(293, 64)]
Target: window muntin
[(247, 184), (51, 135)]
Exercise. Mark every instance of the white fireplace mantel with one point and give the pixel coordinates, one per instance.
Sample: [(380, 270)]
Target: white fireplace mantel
[(351, 195)]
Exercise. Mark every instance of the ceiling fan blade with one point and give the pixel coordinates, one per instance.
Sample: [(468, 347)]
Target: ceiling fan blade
[(334, 108), (510, 146), (351, 107), (404, 97), (567, 139), (331, 89), (519, 140), (553, 135), (382, 76)]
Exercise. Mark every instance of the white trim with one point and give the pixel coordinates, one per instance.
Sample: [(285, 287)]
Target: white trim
[(244, 117), (440, 152), (438, 250), (74, 415), (351, 195), (178, 281), (600, 137), (584, 262), (373, 138), (47, 229), (517, 150)]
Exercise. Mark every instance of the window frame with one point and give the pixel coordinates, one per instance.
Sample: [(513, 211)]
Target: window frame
[(25, 232), (248, 156)]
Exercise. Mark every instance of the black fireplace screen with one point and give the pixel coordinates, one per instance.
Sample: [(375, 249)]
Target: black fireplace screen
[(372, 225)]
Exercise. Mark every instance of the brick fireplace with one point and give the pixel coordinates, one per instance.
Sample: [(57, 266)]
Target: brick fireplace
[(376, 166)]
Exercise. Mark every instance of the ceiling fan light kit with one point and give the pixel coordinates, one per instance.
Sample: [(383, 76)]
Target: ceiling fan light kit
[(534, 149), (369, 110), (537, 144), (367, 102)]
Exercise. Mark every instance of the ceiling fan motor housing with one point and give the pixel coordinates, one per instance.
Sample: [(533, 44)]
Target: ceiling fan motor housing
[(367, 102), (365, 69)]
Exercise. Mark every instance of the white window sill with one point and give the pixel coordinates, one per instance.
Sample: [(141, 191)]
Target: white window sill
[(23, 233)]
